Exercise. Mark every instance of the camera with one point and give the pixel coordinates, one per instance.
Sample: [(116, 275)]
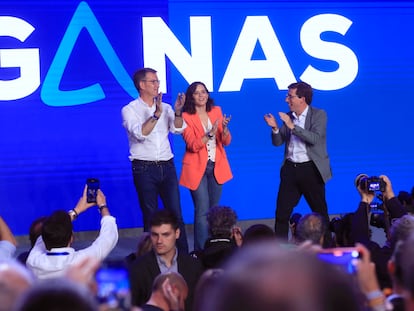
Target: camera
[(370, 184), (377, 218), (92, 189)]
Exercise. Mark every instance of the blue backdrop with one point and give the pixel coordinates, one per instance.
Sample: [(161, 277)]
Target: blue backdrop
[(65, 70)]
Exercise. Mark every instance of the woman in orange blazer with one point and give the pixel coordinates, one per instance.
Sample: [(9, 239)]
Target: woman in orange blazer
[(205, 167)]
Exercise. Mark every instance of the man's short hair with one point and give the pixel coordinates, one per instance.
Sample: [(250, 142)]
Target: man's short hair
[(57, 295), (221, 220), (311, 227), (175, 278), (258, 232), (401, 229), (164, 217), (57, 230), (303, 90), (140, 75)]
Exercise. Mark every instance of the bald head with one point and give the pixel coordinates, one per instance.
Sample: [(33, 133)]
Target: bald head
[(165, 286)]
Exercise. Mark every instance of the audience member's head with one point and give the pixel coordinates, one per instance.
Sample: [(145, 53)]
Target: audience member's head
[(258, 232), (407, 251), (169, 291), (406, 200), (311, 227), (144, 244), (58, 294), (208, 280), (15, 279), (293, 222), (164, 231), (341, 227), (401, 229), (57, 230), (265, 276), (35, 229), (221, 220), (395, 267)]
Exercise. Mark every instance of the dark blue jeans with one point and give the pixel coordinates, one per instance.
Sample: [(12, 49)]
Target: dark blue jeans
[(205, 196), (159, 179)]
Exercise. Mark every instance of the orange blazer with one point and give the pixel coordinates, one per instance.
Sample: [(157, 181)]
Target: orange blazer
[(195, 157)]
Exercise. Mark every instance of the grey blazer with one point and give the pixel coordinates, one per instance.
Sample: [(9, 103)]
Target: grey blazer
[(314, 136)]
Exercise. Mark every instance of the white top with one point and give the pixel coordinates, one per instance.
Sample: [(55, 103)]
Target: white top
[(297, 148), (155, 146), (49, 264), (211, 143), (7, 250)]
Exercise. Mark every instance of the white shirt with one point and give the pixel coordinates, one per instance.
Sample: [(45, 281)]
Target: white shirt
[(49, 264), (155, 146), (297, 148), (7, 250), (211, 143)]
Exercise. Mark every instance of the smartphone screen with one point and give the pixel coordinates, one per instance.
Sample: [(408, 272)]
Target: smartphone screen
[(113, 287), (343, 258), (92, 189)]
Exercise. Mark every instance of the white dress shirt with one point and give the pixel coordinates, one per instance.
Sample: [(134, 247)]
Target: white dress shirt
[(155, 146), (297, 148)]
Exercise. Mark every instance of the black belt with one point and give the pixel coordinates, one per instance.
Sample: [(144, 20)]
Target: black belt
[(145, 162), (298, 164)]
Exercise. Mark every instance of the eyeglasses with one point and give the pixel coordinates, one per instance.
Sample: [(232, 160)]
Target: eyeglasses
[(291, 96), (152, 81)]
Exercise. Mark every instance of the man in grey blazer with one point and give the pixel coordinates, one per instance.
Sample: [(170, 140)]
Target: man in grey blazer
[(306, 167)]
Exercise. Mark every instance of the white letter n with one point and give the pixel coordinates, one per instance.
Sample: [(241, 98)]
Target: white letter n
[(159, 41)]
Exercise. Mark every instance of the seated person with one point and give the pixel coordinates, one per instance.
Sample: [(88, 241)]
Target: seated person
[(257, 233), (34, 232), (169, 292), (224, 237), (144, 246), (311, 227), (164, 257)]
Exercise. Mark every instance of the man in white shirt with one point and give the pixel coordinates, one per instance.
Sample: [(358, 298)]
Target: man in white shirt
[(148, 122), (306, 166), (52, 254)]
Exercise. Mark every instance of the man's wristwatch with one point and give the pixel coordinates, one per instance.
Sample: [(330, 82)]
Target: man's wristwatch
[(101, 207), (209, 135), (72, 213)]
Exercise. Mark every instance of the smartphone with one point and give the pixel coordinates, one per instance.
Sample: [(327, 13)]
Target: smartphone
[(113, 286), (345, 258), (92, 189)]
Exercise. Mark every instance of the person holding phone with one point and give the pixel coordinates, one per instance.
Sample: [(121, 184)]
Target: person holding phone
[(148, 122), (53, 253), (205, 166)]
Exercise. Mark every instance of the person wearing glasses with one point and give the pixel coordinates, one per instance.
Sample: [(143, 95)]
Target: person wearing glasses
[(148, 122), (306, 165)]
